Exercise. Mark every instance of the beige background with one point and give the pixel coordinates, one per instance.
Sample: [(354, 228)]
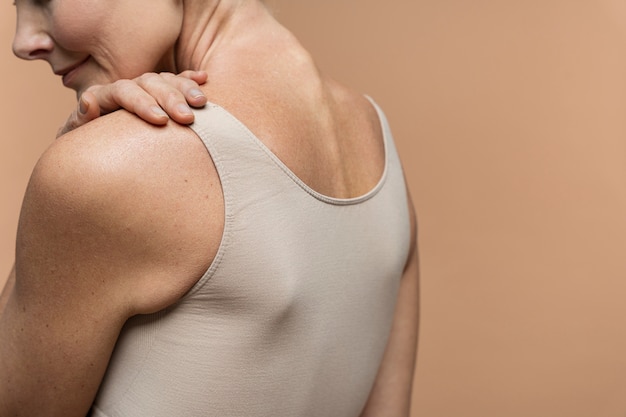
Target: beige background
[(510, 119)]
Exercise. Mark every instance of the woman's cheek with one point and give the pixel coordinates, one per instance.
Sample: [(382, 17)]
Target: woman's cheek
[(73, 31)]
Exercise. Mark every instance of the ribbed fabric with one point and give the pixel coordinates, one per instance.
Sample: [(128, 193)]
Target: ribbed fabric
[(292, 317)]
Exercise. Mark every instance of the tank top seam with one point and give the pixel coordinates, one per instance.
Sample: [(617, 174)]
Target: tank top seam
[(200, 293), (206, 136), (298, 181)]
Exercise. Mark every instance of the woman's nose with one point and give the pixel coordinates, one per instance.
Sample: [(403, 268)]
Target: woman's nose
[(31, 41)]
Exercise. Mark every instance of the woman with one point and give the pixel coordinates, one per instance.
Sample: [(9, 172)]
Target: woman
[(275, 274)]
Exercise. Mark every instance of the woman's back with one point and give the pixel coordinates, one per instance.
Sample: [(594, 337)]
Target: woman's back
[(189, 282), (293, 315), (328, 135)]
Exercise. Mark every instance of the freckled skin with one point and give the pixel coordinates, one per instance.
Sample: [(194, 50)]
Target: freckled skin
[(102, 226)]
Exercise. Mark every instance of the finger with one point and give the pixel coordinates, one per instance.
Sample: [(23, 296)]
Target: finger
[(167, 90), (194, 94), (128, 95), (184, 83), (86, 110), (199, 77)]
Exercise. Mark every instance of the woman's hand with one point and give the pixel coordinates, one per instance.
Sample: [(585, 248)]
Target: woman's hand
[(154, 97)]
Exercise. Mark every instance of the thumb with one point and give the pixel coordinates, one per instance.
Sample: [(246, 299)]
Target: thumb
[(86, 110)]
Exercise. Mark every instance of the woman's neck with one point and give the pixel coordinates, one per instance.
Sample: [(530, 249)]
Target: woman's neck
[(247, 55), (211, 28)]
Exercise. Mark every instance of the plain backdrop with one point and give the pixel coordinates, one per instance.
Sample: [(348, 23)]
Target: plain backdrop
[(509, 117)]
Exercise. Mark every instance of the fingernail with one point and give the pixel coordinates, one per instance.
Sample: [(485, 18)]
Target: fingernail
[(183, 108), (83, 106), (158, 111), (196, 93)]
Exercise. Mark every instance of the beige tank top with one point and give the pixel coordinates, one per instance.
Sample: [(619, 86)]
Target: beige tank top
[(293, 315)]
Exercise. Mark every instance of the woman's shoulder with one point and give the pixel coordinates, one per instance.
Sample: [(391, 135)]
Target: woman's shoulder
[(145, 193), (119, 138), (119, 154), (120, 150)]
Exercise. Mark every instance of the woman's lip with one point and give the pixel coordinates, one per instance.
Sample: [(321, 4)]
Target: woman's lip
[(67, 74)]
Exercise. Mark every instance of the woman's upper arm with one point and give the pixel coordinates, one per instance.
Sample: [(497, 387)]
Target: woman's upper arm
[(99, 239), (63, 314)]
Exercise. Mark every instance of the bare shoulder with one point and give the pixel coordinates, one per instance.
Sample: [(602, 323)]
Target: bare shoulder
[(119, 219), (135, 196)]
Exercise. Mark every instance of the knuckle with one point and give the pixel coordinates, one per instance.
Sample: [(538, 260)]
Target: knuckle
[(145, 80), (173, 97), (147, 76), (123, 84), (186, 84), (186, 73), (152, 82), (93, 89)]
